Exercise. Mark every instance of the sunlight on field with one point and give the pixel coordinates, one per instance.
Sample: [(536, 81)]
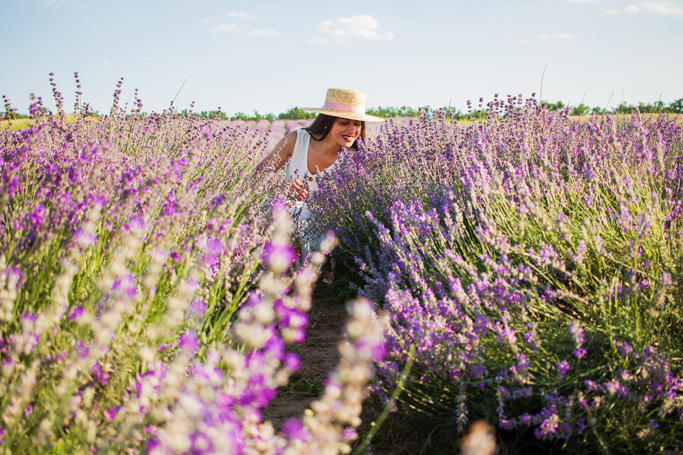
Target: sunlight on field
[(678, 117), (24, 123)]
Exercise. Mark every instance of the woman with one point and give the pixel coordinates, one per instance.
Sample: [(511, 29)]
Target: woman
[(314, 150)]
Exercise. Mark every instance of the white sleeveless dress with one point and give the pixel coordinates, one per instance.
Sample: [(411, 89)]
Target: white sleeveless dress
[(297, 169)]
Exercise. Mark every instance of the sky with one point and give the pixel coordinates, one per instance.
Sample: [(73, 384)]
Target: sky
[(270, 56)]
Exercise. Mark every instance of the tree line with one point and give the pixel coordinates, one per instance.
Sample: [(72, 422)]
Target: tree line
[(675, 107), (296, 113)]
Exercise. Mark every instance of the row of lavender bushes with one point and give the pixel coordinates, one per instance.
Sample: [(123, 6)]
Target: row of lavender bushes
[(277, 129), (147, 293), (534, 264)]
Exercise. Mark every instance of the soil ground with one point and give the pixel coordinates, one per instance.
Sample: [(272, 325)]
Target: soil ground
[(318, 354)]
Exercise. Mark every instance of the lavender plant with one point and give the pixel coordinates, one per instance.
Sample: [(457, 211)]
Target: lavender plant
[(533, 263), (146, 296)]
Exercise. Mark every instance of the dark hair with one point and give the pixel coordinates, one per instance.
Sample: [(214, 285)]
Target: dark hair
[(322, 125)]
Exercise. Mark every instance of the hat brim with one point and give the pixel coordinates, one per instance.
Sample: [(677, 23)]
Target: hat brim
[(344, 114)]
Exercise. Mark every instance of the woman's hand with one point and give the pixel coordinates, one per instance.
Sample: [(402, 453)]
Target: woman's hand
[(281, 152), (298, 190)]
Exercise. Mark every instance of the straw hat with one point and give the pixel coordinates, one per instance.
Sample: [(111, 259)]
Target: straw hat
[(345, 103)]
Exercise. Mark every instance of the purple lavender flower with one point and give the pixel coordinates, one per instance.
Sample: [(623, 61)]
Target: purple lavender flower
[(292, 361), (279, 257), (197, 307), (295, 429), (189, 342), (562, 367), (76, 312)]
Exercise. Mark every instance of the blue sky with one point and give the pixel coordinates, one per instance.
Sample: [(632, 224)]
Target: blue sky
[(272, 55)]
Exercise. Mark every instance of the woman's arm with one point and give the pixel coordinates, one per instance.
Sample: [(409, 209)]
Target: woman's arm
[(282, 152)]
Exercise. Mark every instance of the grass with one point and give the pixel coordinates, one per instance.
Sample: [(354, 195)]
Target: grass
[(23, 123), (678, 117)]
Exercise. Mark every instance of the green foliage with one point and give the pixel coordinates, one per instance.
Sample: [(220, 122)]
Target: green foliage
[(12, 115), (552, 106), (296, 113), (213, 115), (255, 117), (677, 106), (407, 111), (391, 112), (580, 110)]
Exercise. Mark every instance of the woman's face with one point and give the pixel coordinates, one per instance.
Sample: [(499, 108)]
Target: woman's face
[(345, 131)]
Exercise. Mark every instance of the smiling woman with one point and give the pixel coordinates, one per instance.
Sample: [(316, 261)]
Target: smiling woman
[(338, 128)]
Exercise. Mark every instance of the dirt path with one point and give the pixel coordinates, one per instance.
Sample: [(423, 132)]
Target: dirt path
[(318, 354)]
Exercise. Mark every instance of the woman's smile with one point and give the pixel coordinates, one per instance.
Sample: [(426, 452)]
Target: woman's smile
[(345, 132)]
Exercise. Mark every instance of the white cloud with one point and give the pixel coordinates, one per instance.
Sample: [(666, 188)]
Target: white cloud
[(227, 28), (206, 21), (240, 15), (662, 8), (106, 62), (263, 31), (521, 40), (555, 36), (613, 11), (354, 27), (581, 1), (141, 58), (631, 9)]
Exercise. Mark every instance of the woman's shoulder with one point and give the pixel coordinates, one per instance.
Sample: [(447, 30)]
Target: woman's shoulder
[(290, 141), (297, 142), (301, 132)]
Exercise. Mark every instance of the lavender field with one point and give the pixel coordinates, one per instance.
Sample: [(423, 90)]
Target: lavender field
[(148, 293), (532, 268), (524, 270)]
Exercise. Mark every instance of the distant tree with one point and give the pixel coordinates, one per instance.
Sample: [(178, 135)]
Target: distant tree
[(624, 108), (213, 114), (239, 116), (456, 113), (391, 112), (296, 113), (12, 114), (383, 112), (650, 108), (553, 106), (676, 106), (580, 110), (256, 117)]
